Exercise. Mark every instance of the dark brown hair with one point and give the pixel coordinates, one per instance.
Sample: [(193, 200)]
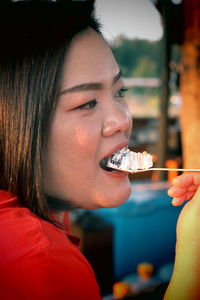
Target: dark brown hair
[(34, 40)]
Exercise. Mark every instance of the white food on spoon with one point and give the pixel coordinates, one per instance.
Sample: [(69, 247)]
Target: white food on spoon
[(127, 160)]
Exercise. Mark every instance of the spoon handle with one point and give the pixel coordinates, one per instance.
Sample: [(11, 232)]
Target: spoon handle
[(161, 169)]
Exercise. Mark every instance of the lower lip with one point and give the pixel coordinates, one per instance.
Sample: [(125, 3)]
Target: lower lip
[(116, 174)]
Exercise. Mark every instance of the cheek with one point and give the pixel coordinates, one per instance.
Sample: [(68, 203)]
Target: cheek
[(81, 136), (74, 141), (131, 125), (84, 140), (129, 119)]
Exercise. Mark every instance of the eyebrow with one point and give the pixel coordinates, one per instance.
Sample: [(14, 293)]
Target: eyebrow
[(89, 86)]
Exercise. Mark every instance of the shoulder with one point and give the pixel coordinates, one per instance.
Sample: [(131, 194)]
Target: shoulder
[(51, 274), (38, 259), (22, 232)]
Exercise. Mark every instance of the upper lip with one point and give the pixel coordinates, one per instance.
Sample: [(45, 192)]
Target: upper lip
[(116, 148)]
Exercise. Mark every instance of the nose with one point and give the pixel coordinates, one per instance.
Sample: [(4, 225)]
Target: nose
[(117, 119)]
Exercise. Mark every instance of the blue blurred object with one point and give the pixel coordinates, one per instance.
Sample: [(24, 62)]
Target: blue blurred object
[(144, 228)]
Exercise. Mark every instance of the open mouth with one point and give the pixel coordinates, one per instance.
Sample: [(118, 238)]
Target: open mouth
[(115, 159), (103, 165), (126, 160)]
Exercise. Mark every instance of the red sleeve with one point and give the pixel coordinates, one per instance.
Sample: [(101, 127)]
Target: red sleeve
[(55, 275)]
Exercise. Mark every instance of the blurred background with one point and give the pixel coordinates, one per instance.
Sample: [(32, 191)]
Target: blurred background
[(157, 46)]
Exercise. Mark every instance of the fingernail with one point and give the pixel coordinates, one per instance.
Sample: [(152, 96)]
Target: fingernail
[(175, 202), (175, 180), (170, 191)]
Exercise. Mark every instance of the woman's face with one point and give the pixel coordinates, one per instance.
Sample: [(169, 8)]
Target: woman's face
[(91, 121)]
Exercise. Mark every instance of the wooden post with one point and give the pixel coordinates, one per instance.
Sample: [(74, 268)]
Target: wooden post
[(190, 85)]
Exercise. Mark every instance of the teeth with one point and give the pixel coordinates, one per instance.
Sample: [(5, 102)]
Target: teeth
[(124, 159)]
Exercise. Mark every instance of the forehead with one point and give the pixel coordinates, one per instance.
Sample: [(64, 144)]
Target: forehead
[(88, 59)]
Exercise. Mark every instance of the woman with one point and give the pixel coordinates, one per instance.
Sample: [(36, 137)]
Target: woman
[(62, 112)]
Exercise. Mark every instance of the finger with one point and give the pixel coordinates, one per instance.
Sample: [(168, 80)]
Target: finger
[(177, 201), (196, 178), (187, 179), (176, 191), (183, 180), (189, 195), (192, 188)]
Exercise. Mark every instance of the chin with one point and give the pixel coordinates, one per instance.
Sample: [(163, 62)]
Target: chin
[(114, 200)]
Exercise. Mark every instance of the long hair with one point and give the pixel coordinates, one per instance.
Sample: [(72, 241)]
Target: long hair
[(34, 41)]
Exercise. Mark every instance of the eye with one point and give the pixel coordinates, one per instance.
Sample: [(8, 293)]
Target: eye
[(88, 105), (121, 93)]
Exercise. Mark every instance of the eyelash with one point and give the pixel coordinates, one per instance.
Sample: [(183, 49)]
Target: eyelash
[(121, 92), (88, 105), (91, 104)]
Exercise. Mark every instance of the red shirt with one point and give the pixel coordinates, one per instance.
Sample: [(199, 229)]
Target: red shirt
[(39, 260)]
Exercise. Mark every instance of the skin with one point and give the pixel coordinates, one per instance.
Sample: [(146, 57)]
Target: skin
[(88, 123), (184, 187), (184, 284)]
